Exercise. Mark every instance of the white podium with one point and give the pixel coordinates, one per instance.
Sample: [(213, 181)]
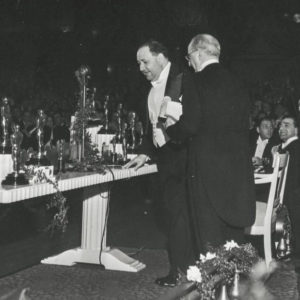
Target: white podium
[(94, 217)]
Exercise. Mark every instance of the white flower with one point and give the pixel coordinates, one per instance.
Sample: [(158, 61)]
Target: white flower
[(232, 244), (209, 255), (193, 274)]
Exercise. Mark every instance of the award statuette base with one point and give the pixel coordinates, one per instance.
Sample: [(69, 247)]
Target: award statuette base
[(43, 161), (15, 179), (5, 149)]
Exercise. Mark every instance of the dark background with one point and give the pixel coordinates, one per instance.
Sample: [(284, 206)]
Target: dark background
[(44, 41)]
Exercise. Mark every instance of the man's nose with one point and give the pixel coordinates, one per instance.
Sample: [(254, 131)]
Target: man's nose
[(142, 68)]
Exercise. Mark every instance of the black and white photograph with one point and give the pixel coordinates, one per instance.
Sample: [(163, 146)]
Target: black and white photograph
[(149, 149)]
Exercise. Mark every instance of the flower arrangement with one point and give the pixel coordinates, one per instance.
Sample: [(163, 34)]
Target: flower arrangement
[(220, 265), (91, 160), (57, 201)]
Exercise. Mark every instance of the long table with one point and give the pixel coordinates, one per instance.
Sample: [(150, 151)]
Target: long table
[(94, 216)]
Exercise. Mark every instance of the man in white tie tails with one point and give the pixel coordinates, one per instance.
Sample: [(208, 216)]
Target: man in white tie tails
[(154, 63)]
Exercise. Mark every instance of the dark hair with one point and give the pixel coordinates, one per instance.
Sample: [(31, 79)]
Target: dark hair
[(260, 120), (295, 119), (155, 47)]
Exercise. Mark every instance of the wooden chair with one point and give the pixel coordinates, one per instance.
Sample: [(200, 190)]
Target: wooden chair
[(266, 212)]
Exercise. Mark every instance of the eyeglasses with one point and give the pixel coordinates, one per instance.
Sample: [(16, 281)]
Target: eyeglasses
[(188, 56)]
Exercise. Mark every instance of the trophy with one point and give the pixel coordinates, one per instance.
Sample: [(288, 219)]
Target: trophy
[(131, 142), (40, 158), (61, 160), (124, 143), (16, 178), (104, 129), (119, 123), (5, 147), (83, 74)]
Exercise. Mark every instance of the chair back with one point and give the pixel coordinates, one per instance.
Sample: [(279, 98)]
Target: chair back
[(282, 174), (277, 185), (283, 165)]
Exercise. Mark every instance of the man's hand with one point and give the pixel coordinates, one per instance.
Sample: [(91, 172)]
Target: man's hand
[(256, 161), (160, 134), (163, 106), (274, 150), (137, 162)]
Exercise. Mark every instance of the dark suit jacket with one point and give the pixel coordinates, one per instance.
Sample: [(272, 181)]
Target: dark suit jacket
[(292, 193), (215, 122), (292, 186)]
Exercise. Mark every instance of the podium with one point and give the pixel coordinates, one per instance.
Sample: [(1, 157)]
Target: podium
[(93, 247)]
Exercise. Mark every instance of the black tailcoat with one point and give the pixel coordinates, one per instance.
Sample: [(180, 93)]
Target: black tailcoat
[(220, 177), (292, 192)]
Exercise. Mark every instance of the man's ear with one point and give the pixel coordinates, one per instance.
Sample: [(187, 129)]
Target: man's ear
[(160, 58)]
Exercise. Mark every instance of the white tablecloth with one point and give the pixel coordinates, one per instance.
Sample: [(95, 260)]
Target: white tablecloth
[(6, 165)]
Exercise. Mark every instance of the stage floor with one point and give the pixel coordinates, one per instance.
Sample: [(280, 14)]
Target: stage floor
[(134, 226)]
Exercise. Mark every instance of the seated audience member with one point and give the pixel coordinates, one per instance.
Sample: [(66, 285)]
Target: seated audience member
[(48, 131), (60, 130), (17, 116), (262, 143), (267, 109), (288, 132), (279, 112), (28, 128)]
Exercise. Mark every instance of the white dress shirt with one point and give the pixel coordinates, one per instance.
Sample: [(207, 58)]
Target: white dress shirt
[(155, 99), (260, 147), (157, 93)]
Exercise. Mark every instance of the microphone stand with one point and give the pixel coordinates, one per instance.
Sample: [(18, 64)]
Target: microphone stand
[(82, 75)]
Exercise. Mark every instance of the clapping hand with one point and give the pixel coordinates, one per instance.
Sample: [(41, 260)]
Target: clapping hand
[(274, 149), (256, 161)]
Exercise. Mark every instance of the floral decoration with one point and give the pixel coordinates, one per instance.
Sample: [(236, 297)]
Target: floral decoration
[(57, 201), (91, 160), (219, 265)]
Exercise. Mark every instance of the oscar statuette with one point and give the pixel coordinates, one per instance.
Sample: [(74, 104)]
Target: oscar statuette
[(105, 129), (40, 159), (5, 147), (16, 177), (61, 158), (119, 114), (131, 142)]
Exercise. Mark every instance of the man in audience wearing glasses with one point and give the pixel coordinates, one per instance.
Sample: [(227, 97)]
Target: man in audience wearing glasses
[(165, 80), (288, 133), (215, 124)]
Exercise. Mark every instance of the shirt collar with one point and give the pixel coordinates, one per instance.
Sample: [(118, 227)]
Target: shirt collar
[(288, 141), (163, 75), (261, 141), (209, 62)]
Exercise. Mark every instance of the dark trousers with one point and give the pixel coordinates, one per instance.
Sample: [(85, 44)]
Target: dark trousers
[(294, 213), (171, 166), (177, 225), (208, 228)]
